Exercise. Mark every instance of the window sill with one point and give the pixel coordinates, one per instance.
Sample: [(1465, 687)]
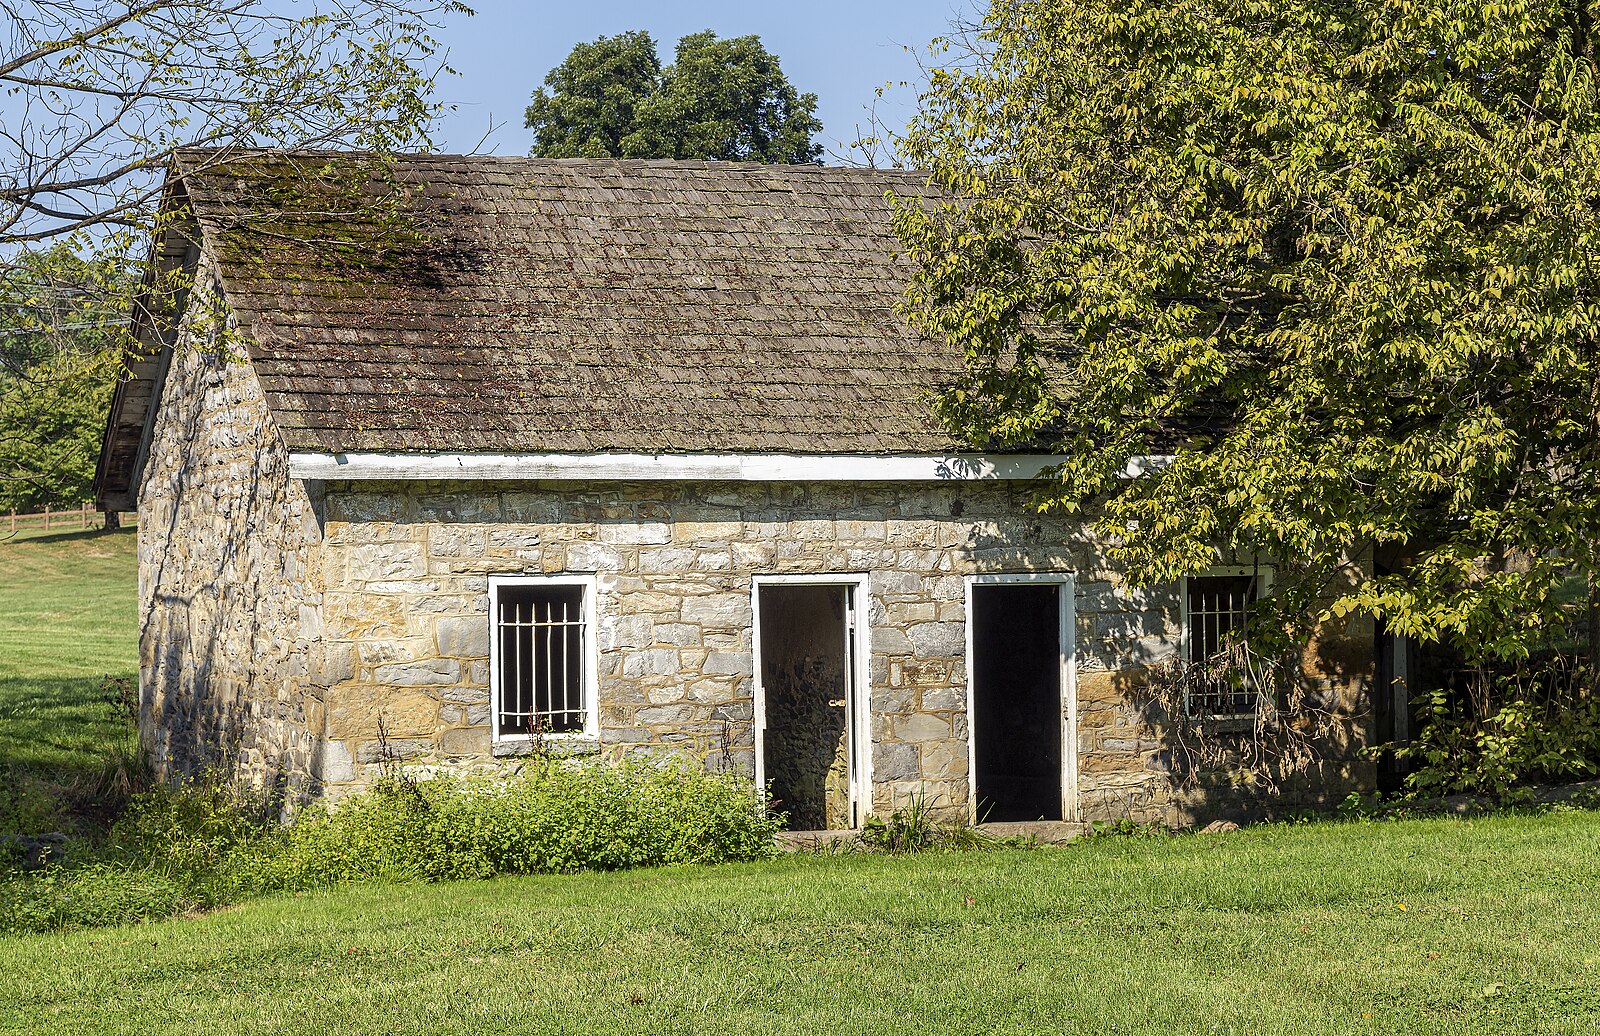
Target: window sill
[(558, 747)]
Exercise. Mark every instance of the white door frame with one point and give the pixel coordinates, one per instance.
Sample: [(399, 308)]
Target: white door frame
[(1066, 634), (858, 643)]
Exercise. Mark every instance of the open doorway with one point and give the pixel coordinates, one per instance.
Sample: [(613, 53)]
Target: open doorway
[(1019, 650), (807, 659), (1394, 662)]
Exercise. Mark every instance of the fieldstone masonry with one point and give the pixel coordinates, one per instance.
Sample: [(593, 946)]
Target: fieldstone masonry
[(230, 609), (406, 568), (285, 622)]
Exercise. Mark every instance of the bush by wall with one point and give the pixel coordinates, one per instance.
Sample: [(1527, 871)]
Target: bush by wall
[(1495, 732), (189, 849)]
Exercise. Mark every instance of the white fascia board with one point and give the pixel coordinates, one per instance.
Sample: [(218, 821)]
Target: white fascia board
[(707, 467)]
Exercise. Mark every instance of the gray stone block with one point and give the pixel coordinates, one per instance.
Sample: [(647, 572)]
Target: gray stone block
[(890, 640), (650, 662), (627, 631), (464, 636), (717, 610), (465, 741), (920, 726), (399, 748), (635, 532), (334, 764), (593, 557), (894, 761), (673, 716), (678, 634), (727, 663), (939, 639), (950, 699), (429, 672), (377, 562)]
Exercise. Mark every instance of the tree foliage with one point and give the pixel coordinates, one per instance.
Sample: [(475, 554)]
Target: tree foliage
[(1337, 260), (61, 321), (96, 96), (726, 100), (99, 93)]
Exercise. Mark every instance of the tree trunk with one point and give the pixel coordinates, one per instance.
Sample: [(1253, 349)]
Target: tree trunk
[(114, 522)]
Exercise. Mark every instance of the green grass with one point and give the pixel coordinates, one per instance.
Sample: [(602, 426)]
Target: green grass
[(66, 622), (1271, 930)]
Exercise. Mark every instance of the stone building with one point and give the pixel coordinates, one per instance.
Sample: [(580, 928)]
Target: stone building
[(460, 460)]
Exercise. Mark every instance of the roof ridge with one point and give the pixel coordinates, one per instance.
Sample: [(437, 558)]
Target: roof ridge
[(808, 168)]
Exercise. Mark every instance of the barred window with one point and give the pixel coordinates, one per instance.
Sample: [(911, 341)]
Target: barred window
[(542, 668), (1218, 608)]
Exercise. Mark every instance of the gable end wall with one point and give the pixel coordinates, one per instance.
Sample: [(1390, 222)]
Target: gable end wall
[(228, 605)]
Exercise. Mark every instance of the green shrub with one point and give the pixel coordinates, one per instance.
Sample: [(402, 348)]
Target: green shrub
[(1506, 730), (551, 819), (189, 829), (93, 895), (178, 850)]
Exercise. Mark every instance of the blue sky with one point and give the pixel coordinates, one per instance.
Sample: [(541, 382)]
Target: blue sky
[(839, 50)]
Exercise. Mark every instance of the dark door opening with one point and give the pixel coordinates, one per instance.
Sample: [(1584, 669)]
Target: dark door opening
[(1394, 663), (807, 660), (1016, 700)]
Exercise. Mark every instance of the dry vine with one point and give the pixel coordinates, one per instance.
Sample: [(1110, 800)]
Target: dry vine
[(1258, 748)]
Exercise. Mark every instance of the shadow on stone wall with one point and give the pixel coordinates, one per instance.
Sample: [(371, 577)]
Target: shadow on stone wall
[(218, 538), (1305, 753)]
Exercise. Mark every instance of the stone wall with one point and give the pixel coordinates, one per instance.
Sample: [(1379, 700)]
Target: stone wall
[(405, 618), (228, 606)]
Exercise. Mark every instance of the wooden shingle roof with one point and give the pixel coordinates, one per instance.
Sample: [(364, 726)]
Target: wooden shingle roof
[(451, 304)]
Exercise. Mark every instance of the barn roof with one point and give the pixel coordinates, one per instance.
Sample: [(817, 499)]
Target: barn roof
[(452, 304)]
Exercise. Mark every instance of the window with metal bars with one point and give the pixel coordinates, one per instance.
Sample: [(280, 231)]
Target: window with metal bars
[(542, 658), (1218, 608)]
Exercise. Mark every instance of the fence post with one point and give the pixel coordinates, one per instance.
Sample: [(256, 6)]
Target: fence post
[(46, 517), (83, 515), (13, 519)]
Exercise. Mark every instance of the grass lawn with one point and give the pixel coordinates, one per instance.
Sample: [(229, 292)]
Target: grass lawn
[(1441, 926), (1270, 930), (66, 623)]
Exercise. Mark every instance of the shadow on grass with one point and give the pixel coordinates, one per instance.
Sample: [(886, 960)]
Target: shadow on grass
[(53, 536), (68, 755)]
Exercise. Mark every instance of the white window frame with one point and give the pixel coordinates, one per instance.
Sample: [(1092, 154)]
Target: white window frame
[(590, 656), (1264, 575)]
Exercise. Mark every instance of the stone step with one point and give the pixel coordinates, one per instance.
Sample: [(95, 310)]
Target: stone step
[(792, 841), (1048, 831)]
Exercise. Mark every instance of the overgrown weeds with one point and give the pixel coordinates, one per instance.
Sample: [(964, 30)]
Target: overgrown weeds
[(180, 850), (1494, 732), (916, 828)]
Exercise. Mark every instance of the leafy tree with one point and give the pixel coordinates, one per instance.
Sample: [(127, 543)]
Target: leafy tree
[(595, 97), (101, 92), (61, 320), (726, 100), (51, 419), (98, 95), (1338, 261)]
